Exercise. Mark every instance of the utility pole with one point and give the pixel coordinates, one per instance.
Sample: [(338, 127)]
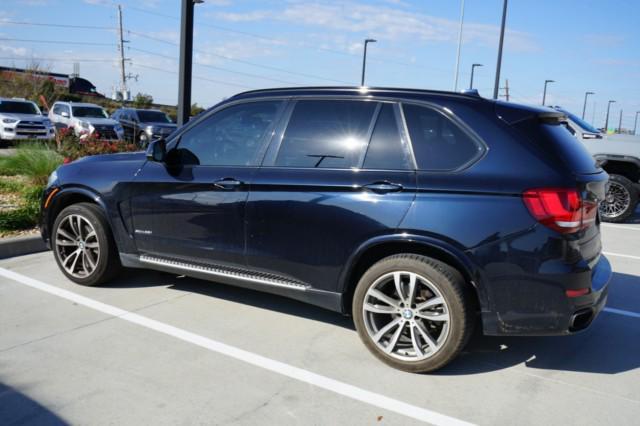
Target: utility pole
[(506, 90), (455, 82), (584, 107), (499, 64), (620, 122), (635, 123), (123, 74), (186, 61)]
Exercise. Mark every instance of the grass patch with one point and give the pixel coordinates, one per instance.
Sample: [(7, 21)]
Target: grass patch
[(35, 161)]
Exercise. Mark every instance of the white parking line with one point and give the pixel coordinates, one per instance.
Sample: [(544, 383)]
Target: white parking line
[(622, 312), (628, 256), (300, 374)]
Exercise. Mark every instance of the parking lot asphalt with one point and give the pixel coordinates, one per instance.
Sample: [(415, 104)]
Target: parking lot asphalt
[(153, 348)]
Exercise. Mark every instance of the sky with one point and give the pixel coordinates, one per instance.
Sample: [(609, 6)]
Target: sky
[(584, 45)]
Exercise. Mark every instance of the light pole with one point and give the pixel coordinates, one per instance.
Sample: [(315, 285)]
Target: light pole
[(620, 122), (364, 58), (473, 67), (455, 82), (584, 107), (186, 61), (606, 120), (544, 94), (496, 86), (635, 123)]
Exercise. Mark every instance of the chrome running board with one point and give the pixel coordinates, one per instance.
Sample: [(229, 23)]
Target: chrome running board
[(222, 271)]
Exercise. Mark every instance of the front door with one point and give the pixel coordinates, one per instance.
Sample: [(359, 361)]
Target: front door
[(193, 206)]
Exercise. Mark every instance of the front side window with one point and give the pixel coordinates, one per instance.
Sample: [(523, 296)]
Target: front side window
[(152, 116), (438, 143), (89, 112), (326, 134), (234, 136)]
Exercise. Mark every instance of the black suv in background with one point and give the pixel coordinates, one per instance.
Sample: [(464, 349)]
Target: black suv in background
[(144, 125), (419, 213)]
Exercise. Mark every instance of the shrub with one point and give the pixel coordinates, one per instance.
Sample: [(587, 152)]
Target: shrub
[(26, 214), (73, 148), (35, 161)]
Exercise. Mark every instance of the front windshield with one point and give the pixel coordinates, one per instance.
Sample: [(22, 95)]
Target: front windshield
[(89, 111), (581, 123), (153, 117), (17, 107)]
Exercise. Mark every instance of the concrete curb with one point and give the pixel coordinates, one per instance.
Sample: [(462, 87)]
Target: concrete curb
[(19, 246)]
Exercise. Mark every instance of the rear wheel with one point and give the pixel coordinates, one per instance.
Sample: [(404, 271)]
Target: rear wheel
[(413, 312), (83, 246), (621, 200)]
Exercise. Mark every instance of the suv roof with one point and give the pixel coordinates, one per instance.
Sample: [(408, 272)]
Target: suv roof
[(84, 104)]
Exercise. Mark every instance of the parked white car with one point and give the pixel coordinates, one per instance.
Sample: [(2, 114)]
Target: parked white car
[(85, 119), (22, 119)]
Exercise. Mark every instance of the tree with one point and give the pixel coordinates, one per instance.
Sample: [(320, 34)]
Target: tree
[(142, 100), (196, 109)]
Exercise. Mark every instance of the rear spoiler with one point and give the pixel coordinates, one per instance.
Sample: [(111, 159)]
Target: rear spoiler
[(515, 113)]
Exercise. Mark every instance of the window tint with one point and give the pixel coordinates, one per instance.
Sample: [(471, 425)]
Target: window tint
[(59, 109), (386, 150), (231, 137), (438, 143), (328, 134)]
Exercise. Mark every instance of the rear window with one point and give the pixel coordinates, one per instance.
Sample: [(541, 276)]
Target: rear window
[(554, 137)]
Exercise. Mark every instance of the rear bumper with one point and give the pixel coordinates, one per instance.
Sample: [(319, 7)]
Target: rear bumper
[(562, 315)]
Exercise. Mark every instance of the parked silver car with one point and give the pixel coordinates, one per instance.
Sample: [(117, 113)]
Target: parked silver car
[(22, 119), (85, 119)]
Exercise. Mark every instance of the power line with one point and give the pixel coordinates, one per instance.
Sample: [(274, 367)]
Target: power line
[(43, 24), (242, 61), (215, 67), (70, 60), (196, 77), (84, 43)]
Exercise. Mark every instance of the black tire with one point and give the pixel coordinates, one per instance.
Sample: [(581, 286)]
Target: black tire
[(620, 183), (452, 287), (108, 260)]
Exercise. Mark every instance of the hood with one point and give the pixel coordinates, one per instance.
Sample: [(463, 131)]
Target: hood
[(24, 117), (98, 121), (614, 144), (121, 156)]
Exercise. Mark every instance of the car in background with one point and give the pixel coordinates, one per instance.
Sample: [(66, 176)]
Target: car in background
[(620, 158), (144, 125), (422, 214), (22, 119), (85, 119)]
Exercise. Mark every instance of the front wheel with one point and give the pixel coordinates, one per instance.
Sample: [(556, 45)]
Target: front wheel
[(621, 200), (413, 312), (83, 246)]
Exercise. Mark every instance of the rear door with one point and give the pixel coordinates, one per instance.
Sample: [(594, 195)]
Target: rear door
[(324, 189)]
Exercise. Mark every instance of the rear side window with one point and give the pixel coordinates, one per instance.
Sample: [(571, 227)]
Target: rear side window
[(438, 143), (386, 150), (555, 138), (326, 134)]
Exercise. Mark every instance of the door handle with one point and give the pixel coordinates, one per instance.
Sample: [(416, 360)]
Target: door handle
[(228, 183), (383, 187)]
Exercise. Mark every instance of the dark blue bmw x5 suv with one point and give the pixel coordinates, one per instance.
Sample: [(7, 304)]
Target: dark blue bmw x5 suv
[(419, 213)]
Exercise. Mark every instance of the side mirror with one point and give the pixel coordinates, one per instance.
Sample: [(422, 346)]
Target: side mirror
[(591, 136), (157, 151), (65, 114)]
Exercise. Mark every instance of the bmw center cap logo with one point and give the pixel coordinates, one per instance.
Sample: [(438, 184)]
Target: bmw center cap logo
[(407, 314)]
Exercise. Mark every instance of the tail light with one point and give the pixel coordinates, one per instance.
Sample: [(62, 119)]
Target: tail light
[(560, 209)]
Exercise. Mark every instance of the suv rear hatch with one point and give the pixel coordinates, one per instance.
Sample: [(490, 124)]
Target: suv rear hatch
[(572, 210)]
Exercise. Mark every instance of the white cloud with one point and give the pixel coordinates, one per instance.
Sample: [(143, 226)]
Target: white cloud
[(384, 22), (14, 51)]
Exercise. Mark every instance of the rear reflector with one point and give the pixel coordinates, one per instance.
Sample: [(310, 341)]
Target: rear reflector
[(560, 209), (577, 293)]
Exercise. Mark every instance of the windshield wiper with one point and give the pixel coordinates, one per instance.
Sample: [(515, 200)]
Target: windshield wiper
[(322, 157)]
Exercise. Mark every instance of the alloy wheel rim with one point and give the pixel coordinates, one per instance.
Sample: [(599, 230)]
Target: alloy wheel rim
[(616, 202), (406, 316), (77, 246)]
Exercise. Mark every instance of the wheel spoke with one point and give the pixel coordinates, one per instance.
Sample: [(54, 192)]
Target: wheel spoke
[(394, 339), (75, 260), (433, 316), (66, 234), (397, 281), (426, 337), (384, 330), (412, 288), (383, 297), (79, 225), (68, 258), (66, 243), (91, 245), (430, 303), (379, 309), (414, 340), (92, 264)]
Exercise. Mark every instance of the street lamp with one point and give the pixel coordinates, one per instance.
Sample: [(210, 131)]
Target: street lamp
[(496, 85), (473, 67), (186, 61), (620, 122), (364, 58), (606, 120), (635, 123), (455, 82), (584, 107), (544, 94)]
